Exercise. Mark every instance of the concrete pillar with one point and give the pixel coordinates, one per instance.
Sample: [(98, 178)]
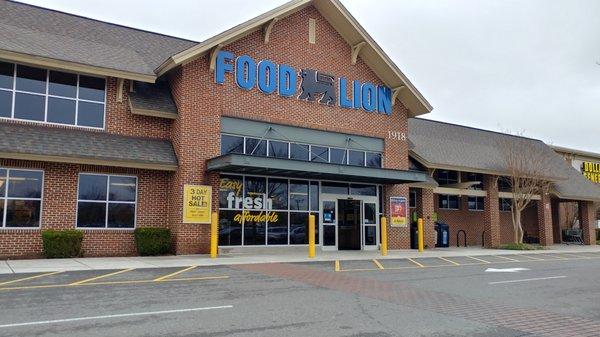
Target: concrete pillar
[(491, 223), (587, 221), (425, 209), (544, 214)]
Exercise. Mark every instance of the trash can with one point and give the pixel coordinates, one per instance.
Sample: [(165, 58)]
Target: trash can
[(443, 233), (414, 239)]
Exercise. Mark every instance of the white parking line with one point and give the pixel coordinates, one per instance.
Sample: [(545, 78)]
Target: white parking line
[(89, 318), (529, 279)]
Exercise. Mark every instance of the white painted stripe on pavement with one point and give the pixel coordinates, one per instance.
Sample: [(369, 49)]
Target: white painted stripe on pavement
[(89, 318), (529, 279)]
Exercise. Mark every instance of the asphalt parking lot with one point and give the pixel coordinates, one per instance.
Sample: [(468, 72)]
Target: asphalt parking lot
[(501, 295)]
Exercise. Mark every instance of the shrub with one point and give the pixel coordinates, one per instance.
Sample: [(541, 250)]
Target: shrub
[(520, 246), (152, 241), (66, 243)]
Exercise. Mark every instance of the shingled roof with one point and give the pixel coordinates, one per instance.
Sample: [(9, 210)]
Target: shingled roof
[(152, 99), (31, 142), (51, 34), (456, 147)]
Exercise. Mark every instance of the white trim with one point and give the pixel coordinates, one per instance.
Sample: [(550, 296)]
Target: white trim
[(107, 201), (6, 198)]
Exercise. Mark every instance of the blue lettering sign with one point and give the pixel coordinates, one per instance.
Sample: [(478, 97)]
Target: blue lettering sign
[(345, 102), (245, 72), (368, 97), (223, 65), (319, 86), (287, 80), (267, 80), (384, 100), (357, 94)]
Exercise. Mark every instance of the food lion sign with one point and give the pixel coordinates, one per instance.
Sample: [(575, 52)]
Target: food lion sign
[(270, 77)]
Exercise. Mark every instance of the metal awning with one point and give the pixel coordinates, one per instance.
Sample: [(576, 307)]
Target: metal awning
[(238, 163)]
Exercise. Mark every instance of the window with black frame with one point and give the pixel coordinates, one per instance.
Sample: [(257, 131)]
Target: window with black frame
[(475, 203), (505, 204), (49, 96), (20, 198), (106, 201), (448, 202)]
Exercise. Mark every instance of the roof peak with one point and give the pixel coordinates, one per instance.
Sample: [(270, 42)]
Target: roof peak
[(100, 21)]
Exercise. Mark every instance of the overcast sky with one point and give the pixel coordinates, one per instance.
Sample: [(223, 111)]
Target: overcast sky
[(524, 65)]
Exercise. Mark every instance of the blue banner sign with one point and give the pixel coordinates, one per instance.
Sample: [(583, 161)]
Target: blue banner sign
[(270, 77)]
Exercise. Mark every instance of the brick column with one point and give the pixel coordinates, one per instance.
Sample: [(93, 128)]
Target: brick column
[(587, 221), (491, 222), (398, 237), (425, 209), (544, 214)]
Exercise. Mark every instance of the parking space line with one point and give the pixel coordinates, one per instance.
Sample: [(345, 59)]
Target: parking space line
[(378, 264), (162, 278), (415, 262), (478, 259), (133, 314), (30, 278), (101, 277), (448, 260), (528, 280), (553, 256), (43, 286), (531, 257), (336, 265), (507, 258)]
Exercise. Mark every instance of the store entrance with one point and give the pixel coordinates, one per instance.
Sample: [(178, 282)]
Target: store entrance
[(349, 224)]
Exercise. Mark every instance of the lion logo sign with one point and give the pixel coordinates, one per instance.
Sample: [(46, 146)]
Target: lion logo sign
[(317, 84)]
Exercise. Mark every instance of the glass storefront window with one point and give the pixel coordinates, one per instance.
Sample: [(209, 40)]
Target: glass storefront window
[(299, 151), (277, 210), (230, 186), (232, 144), (356, 158), (278, 149), (256, 147), (358, 189), (338, 156), (319, 154), (277, 228), (278, 193)]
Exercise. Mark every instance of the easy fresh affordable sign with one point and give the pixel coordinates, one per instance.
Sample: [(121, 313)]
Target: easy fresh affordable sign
[(197, 203), (270, 78)]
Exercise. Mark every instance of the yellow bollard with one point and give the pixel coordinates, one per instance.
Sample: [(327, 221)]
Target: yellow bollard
[(420, 233), (214, 235), (311, 236), (383, 236)]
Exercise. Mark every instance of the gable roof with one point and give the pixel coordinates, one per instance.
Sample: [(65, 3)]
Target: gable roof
[(442, 145), (50, 38), (346, 25)]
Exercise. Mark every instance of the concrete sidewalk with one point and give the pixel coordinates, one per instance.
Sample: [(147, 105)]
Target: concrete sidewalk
[(255, 255)]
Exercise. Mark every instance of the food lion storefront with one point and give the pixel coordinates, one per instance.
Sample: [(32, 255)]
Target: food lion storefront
[(321, 158), (272, 178)]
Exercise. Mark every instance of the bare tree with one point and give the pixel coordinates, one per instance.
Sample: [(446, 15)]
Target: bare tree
[(571, 213), (526, 162)]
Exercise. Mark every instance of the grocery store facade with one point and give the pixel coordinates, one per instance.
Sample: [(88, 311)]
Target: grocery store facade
[(294, 112)]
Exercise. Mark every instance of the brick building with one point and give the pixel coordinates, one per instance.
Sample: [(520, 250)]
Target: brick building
[(294, 112)]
